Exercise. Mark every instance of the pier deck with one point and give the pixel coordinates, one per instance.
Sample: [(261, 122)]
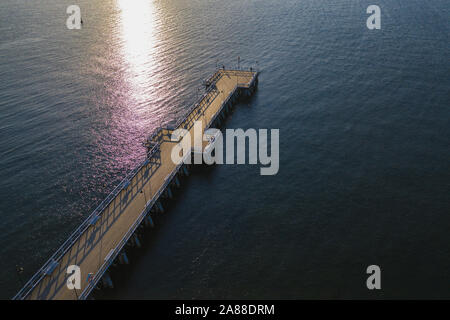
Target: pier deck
[(101, 237)]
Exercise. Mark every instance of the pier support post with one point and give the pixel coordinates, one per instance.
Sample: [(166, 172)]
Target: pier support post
[(169, 192), (177, 182), (160, 207), (107, 281), (135, 241), (149, 221), (123, 259)]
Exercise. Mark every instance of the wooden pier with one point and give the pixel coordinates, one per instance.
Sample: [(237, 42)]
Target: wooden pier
[(100, 239)]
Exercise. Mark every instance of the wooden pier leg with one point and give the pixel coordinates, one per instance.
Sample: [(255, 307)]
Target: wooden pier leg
[(160, 207), (149, 221), (123, 259), (107, 281), (169, 192), (135, 240)]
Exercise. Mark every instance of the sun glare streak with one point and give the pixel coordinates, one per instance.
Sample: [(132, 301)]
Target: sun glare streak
[(139, 39)]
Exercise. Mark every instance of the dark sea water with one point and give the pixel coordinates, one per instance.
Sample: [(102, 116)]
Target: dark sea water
[(364, 119)]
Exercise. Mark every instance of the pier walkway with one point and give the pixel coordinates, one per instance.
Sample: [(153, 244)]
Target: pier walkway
[(100, 239)]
